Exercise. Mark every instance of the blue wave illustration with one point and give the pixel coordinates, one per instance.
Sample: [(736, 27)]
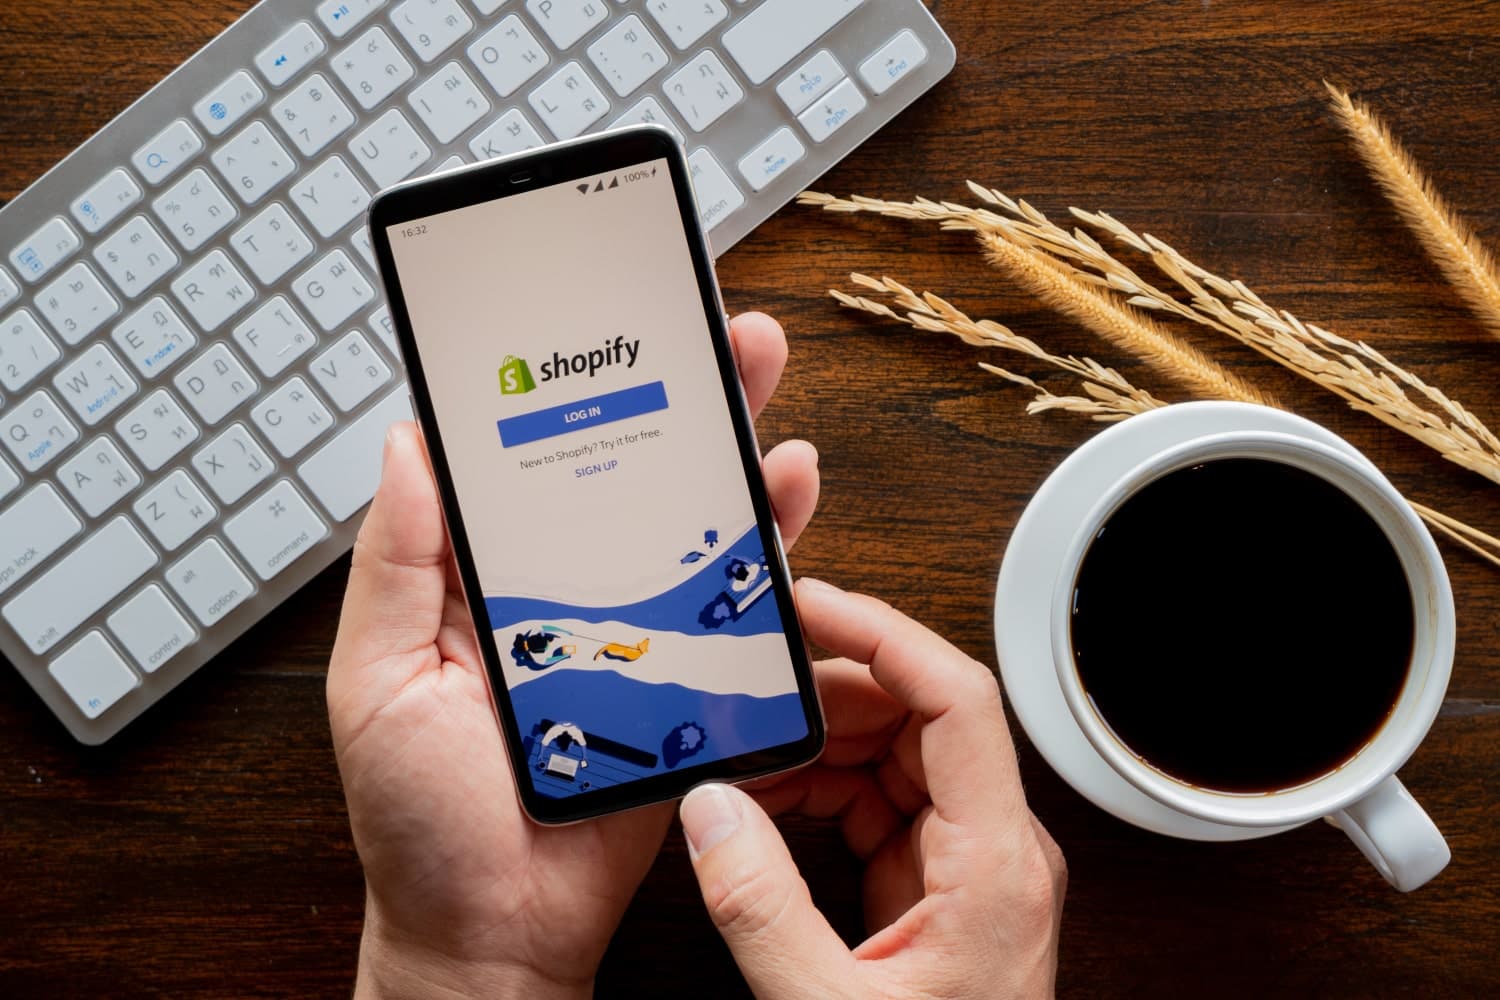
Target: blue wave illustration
[(626, 722), (703, 604)]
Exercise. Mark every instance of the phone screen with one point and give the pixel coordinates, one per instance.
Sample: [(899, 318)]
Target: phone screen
[(602, 490)]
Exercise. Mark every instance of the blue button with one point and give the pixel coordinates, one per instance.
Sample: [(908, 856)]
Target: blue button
[(585, 413)]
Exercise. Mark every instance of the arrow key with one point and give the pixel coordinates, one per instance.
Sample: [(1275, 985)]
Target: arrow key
[(771, 158), (810, 81)]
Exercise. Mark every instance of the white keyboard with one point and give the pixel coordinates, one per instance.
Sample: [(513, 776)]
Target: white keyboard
[(196, 363)]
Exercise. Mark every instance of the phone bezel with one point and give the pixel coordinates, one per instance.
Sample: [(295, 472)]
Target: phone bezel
[(518, 175)]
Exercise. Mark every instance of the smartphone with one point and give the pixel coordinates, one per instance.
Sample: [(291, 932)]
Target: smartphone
[(571, 369)]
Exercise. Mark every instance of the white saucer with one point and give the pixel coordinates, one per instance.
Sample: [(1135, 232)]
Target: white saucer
[(1023, 597)]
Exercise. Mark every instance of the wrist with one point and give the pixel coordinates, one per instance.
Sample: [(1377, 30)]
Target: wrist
[(394, 969)]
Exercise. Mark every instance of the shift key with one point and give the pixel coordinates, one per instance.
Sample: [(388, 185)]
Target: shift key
[(79, 584)]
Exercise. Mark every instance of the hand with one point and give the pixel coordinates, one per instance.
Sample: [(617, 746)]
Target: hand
[(465, 895), (964, 888)]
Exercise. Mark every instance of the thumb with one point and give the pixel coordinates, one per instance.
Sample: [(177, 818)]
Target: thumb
[(758, 900), (393, 604)]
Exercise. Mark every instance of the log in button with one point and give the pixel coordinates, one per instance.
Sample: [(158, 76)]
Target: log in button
[(583, 414)]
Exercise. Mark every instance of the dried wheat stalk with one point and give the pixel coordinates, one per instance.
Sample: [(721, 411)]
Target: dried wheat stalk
[(1108, 394), (1464, 261), (1114, 398)]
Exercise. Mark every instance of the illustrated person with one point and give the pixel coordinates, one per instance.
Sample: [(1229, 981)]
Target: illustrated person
[(466, 897)]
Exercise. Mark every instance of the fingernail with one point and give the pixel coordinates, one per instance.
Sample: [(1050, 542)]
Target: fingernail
[(710, 816), (813, 583)]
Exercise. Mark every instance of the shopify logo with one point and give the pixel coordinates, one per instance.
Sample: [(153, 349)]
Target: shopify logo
[(515, 373), (515, 376)]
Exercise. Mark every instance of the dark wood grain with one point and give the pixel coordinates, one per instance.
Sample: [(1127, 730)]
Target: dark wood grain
[(206, 851)]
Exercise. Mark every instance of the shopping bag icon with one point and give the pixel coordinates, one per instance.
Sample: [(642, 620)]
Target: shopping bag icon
[(515, 376)]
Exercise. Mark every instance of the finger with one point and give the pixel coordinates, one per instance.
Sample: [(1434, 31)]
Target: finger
[(968, 760), (760, 352), (860, 717), (758, 900), (393, 604), (867, 817), (791, 471)]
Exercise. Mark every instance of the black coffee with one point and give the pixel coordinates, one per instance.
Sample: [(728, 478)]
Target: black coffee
[(1242, 625)]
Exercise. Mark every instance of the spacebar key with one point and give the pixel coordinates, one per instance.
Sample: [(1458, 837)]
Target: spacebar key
[(343, 473), (79, 584), (769, 36)]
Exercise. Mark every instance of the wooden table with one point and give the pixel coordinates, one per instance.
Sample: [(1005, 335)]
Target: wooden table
[(206, 851)]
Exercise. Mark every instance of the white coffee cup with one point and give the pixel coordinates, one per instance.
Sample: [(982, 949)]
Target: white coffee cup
[(1363, 796)]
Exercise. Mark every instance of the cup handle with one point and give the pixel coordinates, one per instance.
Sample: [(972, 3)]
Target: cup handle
[(1393, 831)]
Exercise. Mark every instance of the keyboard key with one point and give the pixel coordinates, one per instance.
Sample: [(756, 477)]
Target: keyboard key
[(771, 158), (508, 55), (93, 674), (430, 26), (718, 198), (372, 68), (566, 21), (892, 62), (332, 289), (453, 161), (9, 290), (830, 113), (36, 431), (44, 249), (164, 155), (274, 336), (810, 81), (290, 54), (312, 115), (157, 429), (31, 529), (569, 102), (686, 21), (25, 350), (153, 337), (487, 6), (272, 243), (703, 90), (330, 196), (95, 384), (76, 303), (449, 102), (510, 133), (135, 256), (209, 582), (291, 416), (389, 150), (98, 476), (772, 34), (103, 203), (227, 103), (151, 628), (628, 55), (79, 584), (253, 162), (341, 16), (385, 328), (649, 111), (212, 290), (363, 245), (174, 509), (350, 370), (274, 530), (194, 209), (232, 463), (344, 472), (215, 383)]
